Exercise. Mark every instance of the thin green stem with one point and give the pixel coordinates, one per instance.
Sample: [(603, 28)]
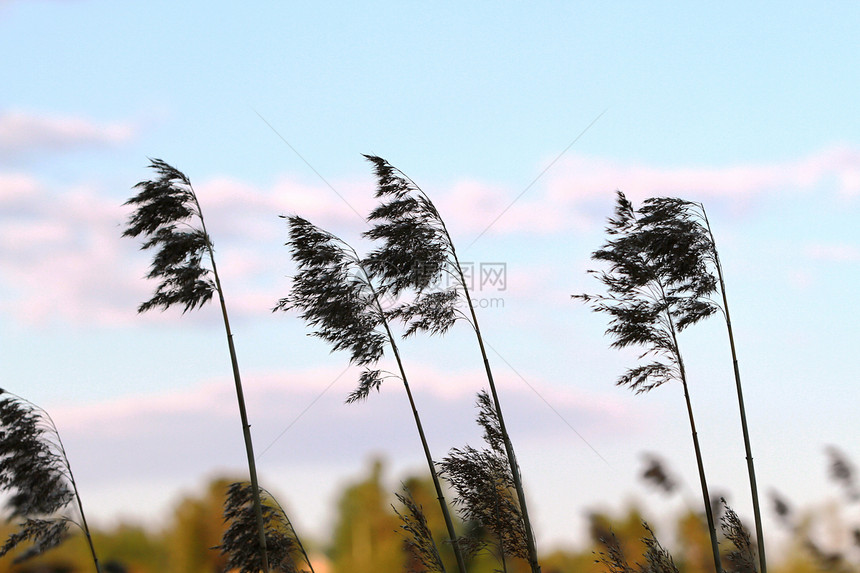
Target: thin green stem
[(709, 514), (449, 523), (240, 396), (531, 546), (62, 450), (84, 527), (745, 429)]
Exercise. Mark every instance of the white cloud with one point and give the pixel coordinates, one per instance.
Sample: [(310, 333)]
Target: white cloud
[(24, 134), (16, 189), (235, 208), (573, 195), (581, 177), (62, 256), (302, 414), (152, 447)]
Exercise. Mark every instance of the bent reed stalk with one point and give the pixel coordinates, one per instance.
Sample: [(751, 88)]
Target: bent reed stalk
[(743, 414), (38, 468), (165, 210), (679, 234), (657, 286), (417, 249), (336, 294)]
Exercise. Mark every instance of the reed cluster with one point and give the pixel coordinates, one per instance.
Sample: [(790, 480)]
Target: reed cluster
[(661, 273)]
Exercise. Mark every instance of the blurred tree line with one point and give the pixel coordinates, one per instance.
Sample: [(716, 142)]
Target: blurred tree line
[(367, 537)]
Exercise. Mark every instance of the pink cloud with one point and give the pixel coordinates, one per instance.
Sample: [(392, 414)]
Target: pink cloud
[(237, 208), (63, 258), (16, 189), (574, 193), (135, 452), (303, 413), (23, 133), (580, 177)]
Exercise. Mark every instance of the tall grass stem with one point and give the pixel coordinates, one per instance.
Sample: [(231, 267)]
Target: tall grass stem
[(509, 447), (240, 397), (747, 447)]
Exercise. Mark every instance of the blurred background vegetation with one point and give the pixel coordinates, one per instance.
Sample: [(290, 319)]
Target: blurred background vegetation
[(366, 537)]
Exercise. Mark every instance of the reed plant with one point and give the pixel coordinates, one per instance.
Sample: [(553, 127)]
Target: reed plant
[(419, 539), (285, 550), (679, 233), (657, 558), (36, 473), (486, 494), (649, 303), (416, 252), (336, 295), (169, 217), (742, 558)]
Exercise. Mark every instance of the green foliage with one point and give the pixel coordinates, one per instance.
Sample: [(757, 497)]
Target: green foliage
[(133, 547), (167, 215), (197, 527), (693, 550), (366, 535), (185, 545)]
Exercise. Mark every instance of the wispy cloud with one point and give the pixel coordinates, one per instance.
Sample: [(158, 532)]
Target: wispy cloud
[(585, 176), (62, 256), (160, 443), (25, 134), (239, 209), (198, 427), (578, 188)]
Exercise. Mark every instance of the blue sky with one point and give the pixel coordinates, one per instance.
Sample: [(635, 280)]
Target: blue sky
[(751, 110)]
